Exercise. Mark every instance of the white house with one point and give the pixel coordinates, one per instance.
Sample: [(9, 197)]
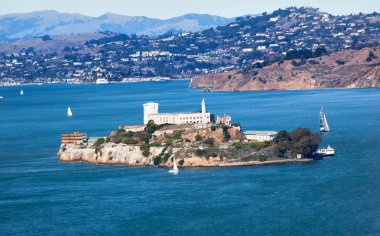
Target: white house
[(151, 113), (260, 136)]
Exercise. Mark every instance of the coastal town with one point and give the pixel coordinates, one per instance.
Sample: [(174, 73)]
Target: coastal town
[(193, 139), (249, 41)]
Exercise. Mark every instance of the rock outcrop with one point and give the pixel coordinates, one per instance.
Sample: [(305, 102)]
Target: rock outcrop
[(215, 145), (108, 154), (343, 69)]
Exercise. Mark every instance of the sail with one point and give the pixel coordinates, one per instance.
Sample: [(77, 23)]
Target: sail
[(69, 113), (323, 125), (22, 92), (174, 165)]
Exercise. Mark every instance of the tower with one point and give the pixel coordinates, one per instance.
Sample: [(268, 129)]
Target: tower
[(203, 106), (149, 108)]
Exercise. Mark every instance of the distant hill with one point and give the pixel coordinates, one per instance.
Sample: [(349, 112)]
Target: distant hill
[(343, 69), (28, 25), (293, 35)]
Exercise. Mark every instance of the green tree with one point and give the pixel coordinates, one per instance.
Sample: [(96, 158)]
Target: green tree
[(146, 153)]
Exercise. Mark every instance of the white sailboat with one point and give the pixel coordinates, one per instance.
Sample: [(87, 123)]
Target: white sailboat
[(175, 169), (69, 113), (323, 125), (21, 92)]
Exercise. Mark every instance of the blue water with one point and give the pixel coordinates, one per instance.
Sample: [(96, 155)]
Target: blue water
[(41, 196)]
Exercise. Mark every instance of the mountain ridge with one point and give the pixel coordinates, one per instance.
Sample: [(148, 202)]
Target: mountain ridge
[(19, 26)]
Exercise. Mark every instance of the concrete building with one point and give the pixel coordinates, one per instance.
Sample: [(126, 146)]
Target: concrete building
[(74, 138), (260, 136), (225, 120), (151, 113)]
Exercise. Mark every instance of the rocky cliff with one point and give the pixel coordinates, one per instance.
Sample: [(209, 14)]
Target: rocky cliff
[(217, 145), (343, 69)]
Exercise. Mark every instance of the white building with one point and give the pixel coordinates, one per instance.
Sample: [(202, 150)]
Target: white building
[(151, 113), (260, 136)]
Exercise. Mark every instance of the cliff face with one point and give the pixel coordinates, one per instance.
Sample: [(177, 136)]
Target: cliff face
[(120, 153), (343, 69), (108, 154), (130, 155)]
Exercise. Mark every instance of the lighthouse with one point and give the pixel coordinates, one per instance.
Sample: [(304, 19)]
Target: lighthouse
[(203, 106)]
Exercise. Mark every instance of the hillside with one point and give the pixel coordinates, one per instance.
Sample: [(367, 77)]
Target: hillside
[(248, 41), (343, 69), (34, 24)]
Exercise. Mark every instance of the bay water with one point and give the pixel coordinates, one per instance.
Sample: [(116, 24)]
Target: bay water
[(39, 195)]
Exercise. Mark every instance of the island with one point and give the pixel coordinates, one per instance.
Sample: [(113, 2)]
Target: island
[(194, 139)]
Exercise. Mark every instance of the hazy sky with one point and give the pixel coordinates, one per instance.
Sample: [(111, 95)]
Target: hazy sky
[(169, 8)]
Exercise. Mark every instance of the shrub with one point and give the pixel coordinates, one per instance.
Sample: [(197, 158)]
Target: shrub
[(281, 136), (198, 138), (340, 62), (143, 136), (157, 160), (181, 162), (262, 158), (260, 145), (146, 153), (177, 134), (371, 55), (200, 152), (151, 127), (209, 141), (129, 141), (213, 128), (144, 147), (227, 136), (166, 157), (99, 142)]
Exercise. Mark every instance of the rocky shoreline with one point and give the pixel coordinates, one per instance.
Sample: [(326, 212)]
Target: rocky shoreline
[(122, 154), (212, 146)]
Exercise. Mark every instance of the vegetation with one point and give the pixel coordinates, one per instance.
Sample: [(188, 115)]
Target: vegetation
[(99, 142), (255, 145), (151, 127), (200, 152), (198, 138), (146, 153), (299, 141), (181, 162), (157, 160), (166, 157)]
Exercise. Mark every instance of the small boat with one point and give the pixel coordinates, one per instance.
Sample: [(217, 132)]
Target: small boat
[(323, 125), (175, 169), (69, 113), (206, 90), (102, 81), (21, 92), (329, 151), (1, 97)]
